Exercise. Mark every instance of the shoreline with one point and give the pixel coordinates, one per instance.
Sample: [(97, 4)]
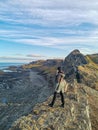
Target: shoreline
[(7, 66)]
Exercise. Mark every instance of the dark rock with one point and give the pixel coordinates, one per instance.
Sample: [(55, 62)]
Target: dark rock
[(71, 62)]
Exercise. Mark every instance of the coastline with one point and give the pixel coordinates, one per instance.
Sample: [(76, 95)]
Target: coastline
[(9, 67)]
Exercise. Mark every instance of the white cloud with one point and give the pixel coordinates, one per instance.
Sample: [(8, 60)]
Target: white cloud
[(54, 41), (50, 13), (14, 58), (35, 55), (48, 22)]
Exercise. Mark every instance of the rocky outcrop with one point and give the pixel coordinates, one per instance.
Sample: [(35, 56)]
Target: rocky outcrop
[(73, 60), (75, 115), (76, 58)]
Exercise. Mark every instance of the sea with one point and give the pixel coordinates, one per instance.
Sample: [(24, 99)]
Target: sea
[(4, 65)]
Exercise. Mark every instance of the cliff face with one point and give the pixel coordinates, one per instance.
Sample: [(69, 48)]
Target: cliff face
[(87, 66), (75, 115), (88, 69), (73, 60)]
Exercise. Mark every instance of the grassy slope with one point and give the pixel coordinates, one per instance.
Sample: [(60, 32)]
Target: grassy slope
[(90, 78), (94, 58), (89, 73)]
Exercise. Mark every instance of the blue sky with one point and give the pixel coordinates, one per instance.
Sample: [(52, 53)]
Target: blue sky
[(43, 29)]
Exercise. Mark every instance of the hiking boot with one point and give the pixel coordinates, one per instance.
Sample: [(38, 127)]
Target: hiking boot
[(62, 105)]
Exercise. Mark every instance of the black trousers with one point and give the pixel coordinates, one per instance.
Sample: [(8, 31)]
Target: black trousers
[(54, 97)]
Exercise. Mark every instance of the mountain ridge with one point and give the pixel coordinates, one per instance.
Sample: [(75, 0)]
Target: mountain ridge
[(74, 116)]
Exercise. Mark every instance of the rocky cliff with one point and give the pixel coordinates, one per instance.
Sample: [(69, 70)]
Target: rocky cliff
[(73, 60), (87, 66), (75, 115), (88, 70)]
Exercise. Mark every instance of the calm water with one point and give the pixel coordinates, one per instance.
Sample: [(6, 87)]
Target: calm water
[(5, 65)]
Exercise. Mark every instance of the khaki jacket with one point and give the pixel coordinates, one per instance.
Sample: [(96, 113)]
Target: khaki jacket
[(61, 85)]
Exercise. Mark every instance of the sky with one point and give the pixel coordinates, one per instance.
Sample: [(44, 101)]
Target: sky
[(43, 29)]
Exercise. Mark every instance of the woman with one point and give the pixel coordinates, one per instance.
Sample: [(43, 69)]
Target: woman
[(61, 86)]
